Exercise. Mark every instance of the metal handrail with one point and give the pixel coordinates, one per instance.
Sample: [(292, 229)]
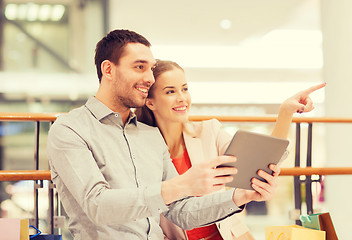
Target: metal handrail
[(21, 175), (49, 117), (52, 117), (272, 119)]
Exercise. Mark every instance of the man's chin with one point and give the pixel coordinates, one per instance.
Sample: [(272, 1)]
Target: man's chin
[(136, 104)]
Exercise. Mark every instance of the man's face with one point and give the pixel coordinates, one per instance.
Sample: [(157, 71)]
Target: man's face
[(133, 76)]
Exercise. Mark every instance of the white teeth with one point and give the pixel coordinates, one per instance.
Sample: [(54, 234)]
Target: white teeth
[(143, 90), (180, 108)]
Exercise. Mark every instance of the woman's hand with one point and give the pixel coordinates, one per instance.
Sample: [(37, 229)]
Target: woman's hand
[(201, 179), (300, 102), (263, 190)]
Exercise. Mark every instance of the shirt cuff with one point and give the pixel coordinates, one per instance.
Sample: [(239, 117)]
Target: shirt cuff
[(154, 200), (229, 206)]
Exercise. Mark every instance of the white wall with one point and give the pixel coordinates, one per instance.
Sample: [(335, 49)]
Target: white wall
[(337, 47)]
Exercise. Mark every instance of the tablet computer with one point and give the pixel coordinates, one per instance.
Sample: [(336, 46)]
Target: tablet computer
[(254, 151)]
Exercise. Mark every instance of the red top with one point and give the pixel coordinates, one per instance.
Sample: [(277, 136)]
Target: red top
[(211, 232)]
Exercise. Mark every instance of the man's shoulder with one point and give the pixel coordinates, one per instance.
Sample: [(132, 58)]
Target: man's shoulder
[(75, 118)]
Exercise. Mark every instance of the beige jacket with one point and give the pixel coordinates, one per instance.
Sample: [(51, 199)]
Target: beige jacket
[(205, 141)]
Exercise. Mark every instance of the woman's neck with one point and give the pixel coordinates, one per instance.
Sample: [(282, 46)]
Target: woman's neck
[(173, 135)]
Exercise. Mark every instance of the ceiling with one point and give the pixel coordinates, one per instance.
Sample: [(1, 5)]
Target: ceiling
[(198, 21)]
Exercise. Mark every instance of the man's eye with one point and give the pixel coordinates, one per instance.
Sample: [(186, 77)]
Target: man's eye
[(140, 67), (185, 89)]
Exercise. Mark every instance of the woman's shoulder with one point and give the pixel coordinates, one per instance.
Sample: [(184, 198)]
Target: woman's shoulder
[(209, 122), (200, 127)]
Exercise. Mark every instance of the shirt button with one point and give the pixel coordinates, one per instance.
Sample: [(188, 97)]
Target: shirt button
[(231, 209), (116, 115)]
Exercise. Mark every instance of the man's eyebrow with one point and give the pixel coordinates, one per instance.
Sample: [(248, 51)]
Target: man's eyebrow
[(144, 62), (140, 61)]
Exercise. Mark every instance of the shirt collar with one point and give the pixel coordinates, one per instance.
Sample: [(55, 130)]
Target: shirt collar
[(100, 110)]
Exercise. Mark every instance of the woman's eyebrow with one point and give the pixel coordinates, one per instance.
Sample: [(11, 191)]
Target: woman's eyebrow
[(168, 87)]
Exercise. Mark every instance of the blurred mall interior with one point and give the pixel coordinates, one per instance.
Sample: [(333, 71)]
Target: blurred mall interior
[(241, 58)]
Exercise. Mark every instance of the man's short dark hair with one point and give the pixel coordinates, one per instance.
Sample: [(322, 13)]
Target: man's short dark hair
[(112, 45)]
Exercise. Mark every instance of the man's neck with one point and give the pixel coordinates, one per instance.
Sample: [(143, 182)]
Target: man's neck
[(123, 111)]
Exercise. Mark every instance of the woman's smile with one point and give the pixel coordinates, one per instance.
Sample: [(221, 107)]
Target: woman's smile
[(180, 108)]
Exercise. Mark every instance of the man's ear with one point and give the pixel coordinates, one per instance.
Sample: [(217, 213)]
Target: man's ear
[(106, 69), (149, 104)]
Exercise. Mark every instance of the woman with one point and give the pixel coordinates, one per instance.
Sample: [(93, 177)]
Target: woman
[(167, 108)]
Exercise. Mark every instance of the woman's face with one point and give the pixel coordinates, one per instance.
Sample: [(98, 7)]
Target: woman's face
[(171, 100)]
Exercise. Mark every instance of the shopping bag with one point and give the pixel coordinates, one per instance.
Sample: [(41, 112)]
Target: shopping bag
[(320, 221), (40, 236), (14, 229), (293, 232), (47, 237)]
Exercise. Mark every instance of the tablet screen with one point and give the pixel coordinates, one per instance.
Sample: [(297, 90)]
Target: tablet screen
[(253, 151)]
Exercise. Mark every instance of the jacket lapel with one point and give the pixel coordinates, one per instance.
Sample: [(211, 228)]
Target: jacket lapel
[(194, 148)]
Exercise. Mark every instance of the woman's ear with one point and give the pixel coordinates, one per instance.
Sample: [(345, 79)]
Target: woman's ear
[(149, 104)]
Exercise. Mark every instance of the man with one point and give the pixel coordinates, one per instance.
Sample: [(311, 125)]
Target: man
[(114, 174)]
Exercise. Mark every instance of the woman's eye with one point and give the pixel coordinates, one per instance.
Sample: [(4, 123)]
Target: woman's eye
[(171, 91), (185, 89)]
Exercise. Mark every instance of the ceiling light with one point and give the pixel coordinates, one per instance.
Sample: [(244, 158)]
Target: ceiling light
[(57, 12), (293, 37), (44, 12), (225, 24), (10, 11), (21, 12), (34, 12)]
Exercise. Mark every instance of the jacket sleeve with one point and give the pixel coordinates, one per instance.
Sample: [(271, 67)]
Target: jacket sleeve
[(223, 138)]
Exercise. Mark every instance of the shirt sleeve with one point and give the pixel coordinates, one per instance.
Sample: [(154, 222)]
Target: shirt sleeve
[(79, 179), (194, 212)]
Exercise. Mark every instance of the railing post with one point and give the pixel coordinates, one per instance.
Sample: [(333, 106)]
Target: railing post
[(2, 190), (51, 202), (308, 181), (51, 207), (37, 183), (297, 182)]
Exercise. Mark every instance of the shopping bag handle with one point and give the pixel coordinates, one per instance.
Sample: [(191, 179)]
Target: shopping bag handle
[(278, 238), (38, 231), (305, 219)]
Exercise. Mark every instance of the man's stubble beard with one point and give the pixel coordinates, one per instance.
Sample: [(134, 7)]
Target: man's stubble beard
[(126, 101)]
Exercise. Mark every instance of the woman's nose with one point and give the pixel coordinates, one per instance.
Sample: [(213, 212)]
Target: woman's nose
[(181, 97)]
